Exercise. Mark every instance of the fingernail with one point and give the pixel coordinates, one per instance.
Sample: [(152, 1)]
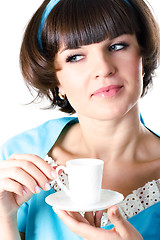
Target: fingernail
[(47, 186), (54, 174), (24, 192), (116, 210), (37, 189)]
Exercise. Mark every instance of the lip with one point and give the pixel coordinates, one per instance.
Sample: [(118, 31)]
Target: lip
[(108, 91)]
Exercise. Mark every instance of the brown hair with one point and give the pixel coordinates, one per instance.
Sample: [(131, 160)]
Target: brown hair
[(82, 22)]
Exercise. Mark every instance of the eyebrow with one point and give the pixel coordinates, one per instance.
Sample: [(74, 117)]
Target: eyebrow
[(68, 48)]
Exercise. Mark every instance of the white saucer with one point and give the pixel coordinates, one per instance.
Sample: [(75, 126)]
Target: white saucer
[(62, 201)]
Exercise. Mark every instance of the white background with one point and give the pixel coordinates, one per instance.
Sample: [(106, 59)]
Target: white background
[(15, 116)]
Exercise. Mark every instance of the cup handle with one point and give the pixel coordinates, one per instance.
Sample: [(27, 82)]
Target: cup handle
[(66, 190)]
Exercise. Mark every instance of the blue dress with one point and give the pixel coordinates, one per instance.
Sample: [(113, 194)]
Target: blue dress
[(37, 219)]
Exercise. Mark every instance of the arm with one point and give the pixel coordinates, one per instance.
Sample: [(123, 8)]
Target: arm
[(9, 229)]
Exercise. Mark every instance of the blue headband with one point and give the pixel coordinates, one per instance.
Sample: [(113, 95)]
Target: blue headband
[(128, 3), (45, 14)]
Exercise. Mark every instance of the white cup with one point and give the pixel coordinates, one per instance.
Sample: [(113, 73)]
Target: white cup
[(85, 180)]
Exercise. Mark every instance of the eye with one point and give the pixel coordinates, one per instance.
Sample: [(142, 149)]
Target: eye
[(118, 46), (74, 58)]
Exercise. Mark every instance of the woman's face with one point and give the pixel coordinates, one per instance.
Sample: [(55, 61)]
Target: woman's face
[(101, 80)]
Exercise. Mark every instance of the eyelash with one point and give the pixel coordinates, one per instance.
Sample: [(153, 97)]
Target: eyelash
[(124, 45), (70, 58)]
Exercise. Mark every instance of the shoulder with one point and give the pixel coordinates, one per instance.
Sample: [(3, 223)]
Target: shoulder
[(36, 140)]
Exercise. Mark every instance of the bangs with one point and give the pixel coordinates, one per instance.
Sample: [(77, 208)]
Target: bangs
[(75, 23)]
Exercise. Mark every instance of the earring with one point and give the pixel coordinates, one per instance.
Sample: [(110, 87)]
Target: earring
[(143, 73), (61, 96)]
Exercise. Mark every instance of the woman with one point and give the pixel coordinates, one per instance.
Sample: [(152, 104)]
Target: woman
[(95, 58)]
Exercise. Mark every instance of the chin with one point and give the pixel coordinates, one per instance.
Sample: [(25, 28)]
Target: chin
[(110, 113)]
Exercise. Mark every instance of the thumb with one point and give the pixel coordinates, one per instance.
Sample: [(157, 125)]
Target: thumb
[(122, 226)]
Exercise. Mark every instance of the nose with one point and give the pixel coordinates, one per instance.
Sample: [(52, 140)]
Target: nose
[(103, 66)]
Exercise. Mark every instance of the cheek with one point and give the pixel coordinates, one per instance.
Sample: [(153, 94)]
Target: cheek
[(135, 68), (69, 86), (138, 70), (64, 80), (137, 76), (70, 81)]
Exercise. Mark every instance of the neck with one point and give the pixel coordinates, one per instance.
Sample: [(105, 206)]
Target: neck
[(112, 139)]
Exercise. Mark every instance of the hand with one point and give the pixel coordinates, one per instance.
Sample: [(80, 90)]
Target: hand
[(87, 227), (21, 176)]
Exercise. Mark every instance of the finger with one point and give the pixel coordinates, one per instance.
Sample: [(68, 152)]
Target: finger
[(27, 194), (122, 226), (20, 176), (9, 185), (82, 229), (30, 169), (98, 216), (78, 216), (34, 159), (40, 178), (89, 216)]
